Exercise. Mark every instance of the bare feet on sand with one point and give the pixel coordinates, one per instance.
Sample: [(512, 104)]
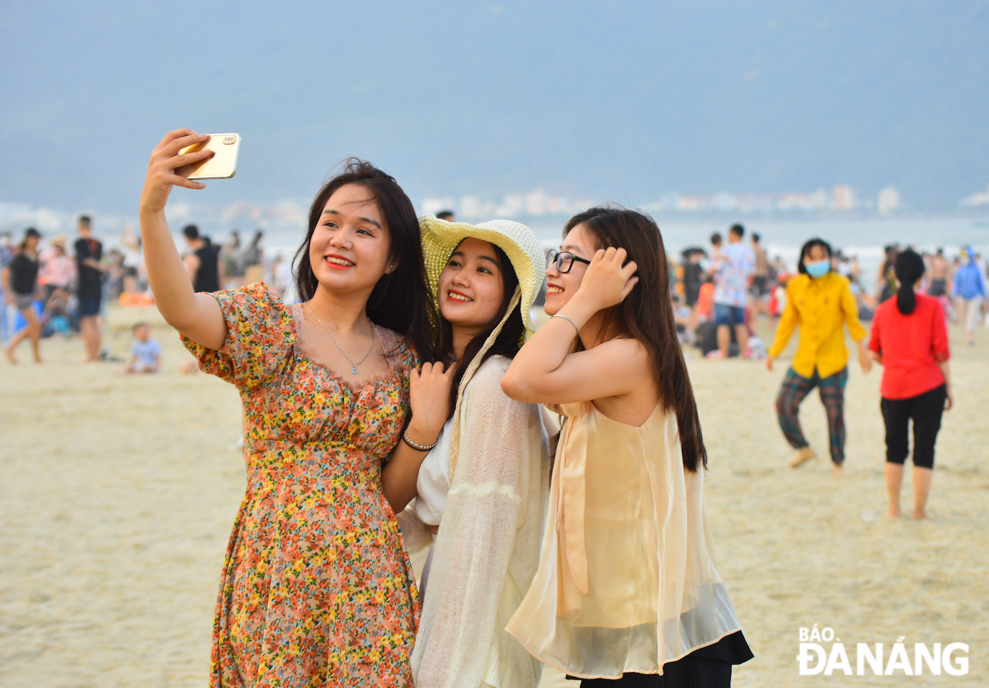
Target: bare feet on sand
[(838, 470), (10, 356), (802, 457)]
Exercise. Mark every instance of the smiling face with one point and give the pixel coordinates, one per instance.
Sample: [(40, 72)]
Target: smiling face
[(350, 246), (560, 288), (471, 289)]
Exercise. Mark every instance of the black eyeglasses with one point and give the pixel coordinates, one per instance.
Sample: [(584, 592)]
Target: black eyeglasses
[(564, 260)]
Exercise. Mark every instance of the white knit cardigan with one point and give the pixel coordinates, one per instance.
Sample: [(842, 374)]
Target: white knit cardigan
[(487, 549)]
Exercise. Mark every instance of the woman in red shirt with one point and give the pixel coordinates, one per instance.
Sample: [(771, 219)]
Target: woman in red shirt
[(910, 340)]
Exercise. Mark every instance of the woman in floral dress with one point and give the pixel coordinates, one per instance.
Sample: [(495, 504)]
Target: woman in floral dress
[(316, 588)]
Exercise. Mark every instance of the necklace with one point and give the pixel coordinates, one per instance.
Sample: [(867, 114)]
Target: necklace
[(352, 361)]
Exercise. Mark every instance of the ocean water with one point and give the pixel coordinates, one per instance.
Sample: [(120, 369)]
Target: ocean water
[(862, 238)]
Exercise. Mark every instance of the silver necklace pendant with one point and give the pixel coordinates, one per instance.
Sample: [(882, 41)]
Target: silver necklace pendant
[(354, 363)]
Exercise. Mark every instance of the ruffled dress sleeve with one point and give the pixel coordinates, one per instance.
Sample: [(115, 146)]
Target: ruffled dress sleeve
[(260, 337)]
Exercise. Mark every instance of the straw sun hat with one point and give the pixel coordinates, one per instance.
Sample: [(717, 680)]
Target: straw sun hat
[(441, 238)]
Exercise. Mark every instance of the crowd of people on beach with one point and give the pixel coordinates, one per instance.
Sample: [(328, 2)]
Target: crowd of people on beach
[(47, 291), (915, 296), (720, 292), (404, 420), (51, 290)]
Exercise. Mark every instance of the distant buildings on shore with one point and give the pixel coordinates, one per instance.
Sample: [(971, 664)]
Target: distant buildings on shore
[(291, 213), (841, 199)]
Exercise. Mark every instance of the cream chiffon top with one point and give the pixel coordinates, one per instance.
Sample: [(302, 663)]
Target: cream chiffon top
[(487, 549), (626, 579)]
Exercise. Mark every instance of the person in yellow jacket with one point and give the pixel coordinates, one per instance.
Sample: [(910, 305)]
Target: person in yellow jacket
[(821, 302)]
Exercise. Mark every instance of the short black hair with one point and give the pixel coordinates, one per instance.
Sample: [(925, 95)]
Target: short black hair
[(85, 220), (756, 237), (716, 238), (32, 232), (737, 229), (191, 231), (445, 215)]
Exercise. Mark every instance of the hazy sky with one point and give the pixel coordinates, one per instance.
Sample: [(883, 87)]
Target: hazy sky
[(616, 100)]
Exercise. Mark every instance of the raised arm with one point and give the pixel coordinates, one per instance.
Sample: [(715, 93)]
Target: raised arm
[(197, 316), (545, 372), (429, 397)]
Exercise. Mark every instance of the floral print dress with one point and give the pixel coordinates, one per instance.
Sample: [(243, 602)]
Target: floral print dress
[(317, 589)]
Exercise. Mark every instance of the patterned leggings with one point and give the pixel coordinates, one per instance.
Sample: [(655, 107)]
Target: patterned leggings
[(832, 390)]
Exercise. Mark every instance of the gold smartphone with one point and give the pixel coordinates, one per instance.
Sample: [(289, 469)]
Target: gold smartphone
[(223, 165)]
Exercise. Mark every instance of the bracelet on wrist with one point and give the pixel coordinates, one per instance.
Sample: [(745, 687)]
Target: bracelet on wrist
[(568, 320), (416, 445)]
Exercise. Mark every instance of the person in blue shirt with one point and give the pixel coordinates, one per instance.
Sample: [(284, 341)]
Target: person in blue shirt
[(969, 292), (145, 353)]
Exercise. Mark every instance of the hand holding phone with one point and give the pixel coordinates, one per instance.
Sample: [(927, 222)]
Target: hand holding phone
[(223, 163)]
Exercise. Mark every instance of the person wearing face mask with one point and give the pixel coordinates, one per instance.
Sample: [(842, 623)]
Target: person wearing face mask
[(482, 483), (821, 303), (317, 589)]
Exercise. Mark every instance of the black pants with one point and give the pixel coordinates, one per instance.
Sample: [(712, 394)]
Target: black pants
[(925, 410), (706, 667), (697, 673)]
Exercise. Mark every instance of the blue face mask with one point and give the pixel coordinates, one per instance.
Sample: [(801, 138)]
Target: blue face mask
[(818, 268)]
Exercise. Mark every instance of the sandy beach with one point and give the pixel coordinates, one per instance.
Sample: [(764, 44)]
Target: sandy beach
[(118, 495)]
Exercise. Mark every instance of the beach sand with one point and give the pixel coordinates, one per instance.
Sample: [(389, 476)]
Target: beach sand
[(118, 496)]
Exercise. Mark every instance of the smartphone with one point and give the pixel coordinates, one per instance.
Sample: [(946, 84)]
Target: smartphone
[(223, 165)]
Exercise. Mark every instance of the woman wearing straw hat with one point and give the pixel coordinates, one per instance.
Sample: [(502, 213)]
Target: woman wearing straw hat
[(627, 592), (481, 488)]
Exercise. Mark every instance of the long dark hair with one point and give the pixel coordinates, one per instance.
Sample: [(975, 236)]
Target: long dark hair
[(506, 344), (400, 300), (805, 252), (646, 315), (909, 268)]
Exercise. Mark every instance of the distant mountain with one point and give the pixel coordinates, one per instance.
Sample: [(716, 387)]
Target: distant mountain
[(587, 99)]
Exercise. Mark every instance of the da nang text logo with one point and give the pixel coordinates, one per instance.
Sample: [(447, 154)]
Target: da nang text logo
[(821, 652)]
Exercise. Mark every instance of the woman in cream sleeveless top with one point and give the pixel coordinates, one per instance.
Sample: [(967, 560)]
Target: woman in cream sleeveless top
[(627, 591)]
